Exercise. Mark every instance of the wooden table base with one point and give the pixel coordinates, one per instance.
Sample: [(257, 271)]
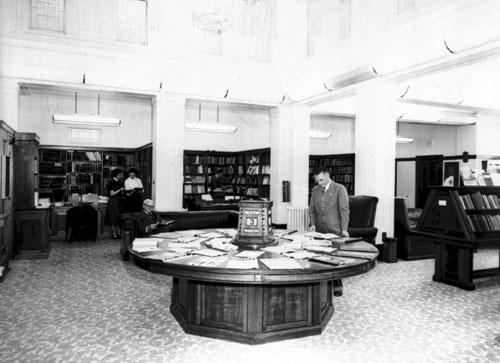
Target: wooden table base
[(252, 314)]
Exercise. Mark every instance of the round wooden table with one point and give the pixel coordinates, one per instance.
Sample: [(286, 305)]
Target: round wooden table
[(258, 305)]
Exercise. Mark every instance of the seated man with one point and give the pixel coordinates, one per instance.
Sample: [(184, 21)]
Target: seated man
[(149, 221), (81, 220)]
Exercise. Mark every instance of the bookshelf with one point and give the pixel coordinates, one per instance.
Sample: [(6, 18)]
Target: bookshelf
[(66, 170), (244, 174), (341, 168), (461, 220)]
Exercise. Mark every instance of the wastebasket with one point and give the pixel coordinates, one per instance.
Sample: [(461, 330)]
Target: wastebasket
[(390, 248)]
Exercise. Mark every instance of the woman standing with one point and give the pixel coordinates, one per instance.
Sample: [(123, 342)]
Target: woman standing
[(133, 190), (115, 202)]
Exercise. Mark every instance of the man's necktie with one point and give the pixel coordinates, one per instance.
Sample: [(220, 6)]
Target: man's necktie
[(323, 189)]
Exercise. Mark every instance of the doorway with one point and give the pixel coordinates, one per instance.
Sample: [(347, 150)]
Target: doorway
[(429, 172)]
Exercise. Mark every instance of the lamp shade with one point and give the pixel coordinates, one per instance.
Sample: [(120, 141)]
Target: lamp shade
[(210, 127), (85, 119)]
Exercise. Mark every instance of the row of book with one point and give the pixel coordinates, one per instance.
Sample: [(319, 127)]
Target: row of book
[(194, 169), (332, 162), (194, 189), (86, 156), (85, 189), (344, 178), (483, 222), (226, 169), (253, 169), (119, 160), (88, 178), (266, 169), (479, 201), (52, 169), (225, 160), (52, 156), (195, 159), (84, 168)]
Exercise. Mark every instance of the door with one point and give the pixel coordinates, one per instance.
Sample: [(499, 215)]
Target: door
[(429, 172)]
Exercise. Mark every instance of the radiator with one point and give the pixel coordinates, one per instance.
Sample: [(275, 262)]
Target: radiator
[(297, 218)]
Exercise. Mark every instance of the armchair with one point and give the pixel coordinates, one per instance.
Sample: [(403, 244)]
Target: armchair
[(410, 245), (362, 209)]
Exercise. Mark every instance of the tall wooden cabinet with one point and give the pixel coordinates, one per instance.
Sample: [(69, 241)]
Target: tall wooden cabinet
[(6, 187), (31, 224)]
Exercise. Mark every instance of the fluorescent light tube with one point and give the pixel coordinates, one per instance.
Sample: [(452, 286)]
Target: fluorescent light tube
[(317, 134), (404, 140), (85, 119), (210, 127)]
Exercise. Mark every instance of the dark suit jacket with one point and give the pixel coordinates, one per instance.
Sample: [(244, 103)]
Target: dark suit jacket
[(146, 220), (329, 211)]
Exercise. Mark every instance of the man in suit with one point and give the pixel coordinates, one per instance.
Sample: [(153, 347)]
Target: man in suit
[(329, 210)]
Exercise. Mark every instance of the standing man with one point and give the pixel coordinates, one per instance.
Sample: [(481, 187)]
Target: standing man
[(329, 210)]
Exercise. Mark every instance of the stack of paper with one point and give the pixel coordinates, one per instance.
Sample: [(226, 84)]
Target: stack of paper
[(321, 249), (229, 231), (333, 260), (244, 264), (281, 264), (208, 261), (145, 244), (249, 254), (300, 255)]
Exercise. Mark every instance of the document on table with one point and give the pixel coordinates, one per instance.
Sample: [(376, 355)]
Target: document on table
[(321, 249), (209, 252), (208, 261), (322, 235), (243, 263), (279, 249), (333, 260), (356, 254), (143, 242), (229, 231), (191, 245), (300, 255), (281, 264), (221, 245), (190, 232), (145, 249), (211, 235), (249, 254), (167, 235), (167, 255)]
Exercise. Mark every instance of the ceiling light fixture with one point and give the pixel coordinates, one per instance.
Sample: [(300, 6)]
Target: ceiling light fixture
[(209, 126), (86, 118), (317, 134)]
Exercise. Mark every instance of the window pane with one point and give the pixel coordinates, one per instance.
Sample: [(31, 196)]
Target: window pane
[(131, 21), (47, 15)]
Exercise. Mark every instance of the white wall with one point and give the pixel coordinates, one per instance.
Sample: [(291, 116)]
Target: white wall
[(135, 130), (405, 187), (253, 125), (342, 139)]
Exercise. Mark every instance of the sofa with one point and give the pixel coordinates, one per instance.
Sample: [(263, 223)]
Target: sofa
[(410, 245), (362, 210), (182, 221)]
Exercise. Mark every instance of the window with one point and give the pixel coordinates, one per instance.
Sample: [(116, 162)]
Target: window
[(131, 21), (47, 15)]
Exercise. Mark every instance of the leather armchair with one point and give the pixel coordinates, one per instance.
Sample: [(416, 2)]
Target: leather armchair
[(410, 245), (183, 221), (362, 209)]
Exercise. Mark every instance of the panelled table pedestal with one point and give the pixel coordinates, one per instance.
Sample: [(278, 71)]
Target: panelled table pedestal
[(253, 306)]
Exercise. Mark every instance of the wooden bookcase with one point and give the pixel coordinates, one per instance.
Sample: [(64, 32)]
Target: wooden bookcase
[(245, 173), (341, 168), (67, 170), (461, 220)]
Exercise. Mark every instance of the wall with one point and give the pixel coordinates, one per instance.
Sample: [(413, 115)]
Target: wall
[(405, 186), (430, 140), (342, 139), (36, 112), (252, 122)]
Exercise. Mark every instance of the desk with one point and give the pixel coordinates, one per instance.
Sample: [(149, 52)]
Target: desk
[(58, 219), (254, 306)]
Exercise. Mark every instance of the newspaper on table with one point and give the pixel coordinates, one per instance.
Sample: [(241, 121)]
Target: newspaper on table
[(281, 263), (300, 255), (146, 244), (229, 231), (244, 264), (208, 261)]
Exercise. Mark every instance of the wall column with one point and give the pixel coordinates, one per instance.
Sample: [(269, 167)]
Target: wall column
[(289, 157), (168, 151), (375, 147), (9, 102)]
